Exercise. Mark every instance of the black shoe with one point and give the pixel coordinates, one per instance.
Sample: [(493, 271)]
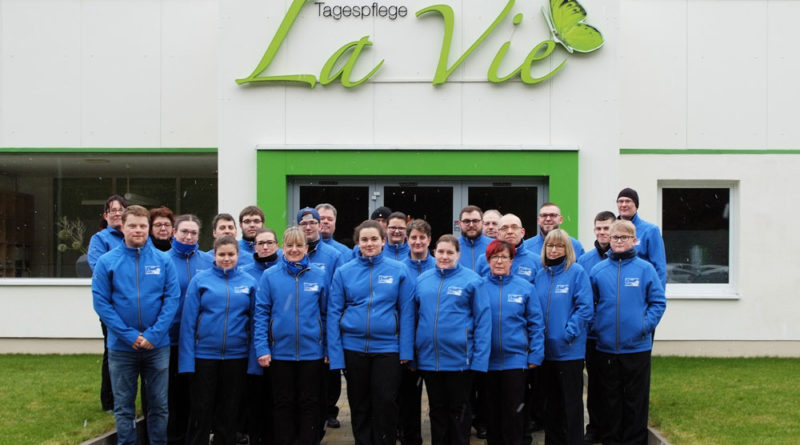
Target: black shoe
[(333, 422), (242, 439), (480, 432), (590, 438), (532, 426)]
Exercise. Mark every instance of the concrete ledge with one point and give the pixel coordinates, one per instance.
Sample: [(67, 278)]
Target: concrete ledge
[(110, 438), (728, 348), (51, 345)]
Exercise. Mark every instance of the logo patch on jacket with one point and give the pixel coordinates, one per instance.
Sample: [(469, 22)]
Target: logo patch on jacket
[(527, 271), (241, 290), (562, 288), (632, 282), (455, 290), (152, 270), (310, 287), (320, 265), (385, 279), (514, 298)]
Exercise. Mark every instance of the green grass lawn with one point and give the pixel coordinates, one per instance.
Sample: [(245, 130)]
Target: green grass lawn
[(726, 401), (51, 399)]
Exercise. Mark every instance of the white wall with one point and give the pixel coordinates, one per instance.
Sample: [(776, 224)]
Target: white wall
[(98, 73)]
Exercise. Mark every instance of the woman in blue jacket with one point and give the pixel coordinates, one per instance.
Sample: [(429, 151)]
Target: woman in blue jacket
[(214, 344), (188, 261), (565, 295), (289, 338), (371, 334), (453, 339), (517, 344)]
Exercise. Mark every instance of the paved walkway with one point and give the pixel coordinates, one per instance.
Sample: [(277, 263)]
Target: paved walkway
[(344, 434)]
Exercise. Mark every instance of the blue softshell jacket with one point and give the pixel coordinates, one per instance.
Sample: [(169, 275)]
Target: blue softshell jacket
[(291, 313), (135, 291), (566, 299), (370, 309), (526, 265), (397, 252), (535, 243), (588, 260), (454, 327), (103, 241), (650, 247), (217, 317), (517, 323), (187, 265), (471, 250), (326, 258), (629, 303)]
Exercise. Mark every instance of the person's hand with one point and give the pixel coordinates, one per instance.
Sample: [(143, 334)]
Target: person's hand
[(531, 366), (264, 360), (325, 359), (403, 362), (144, 343)]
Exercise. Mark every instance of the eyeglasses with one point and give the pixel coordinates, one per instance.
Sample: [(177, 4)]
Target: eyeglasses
[(266, 243), (549, 215), (499, 258), (185, 232), (624, 201), (621, 238), (396, 228), (115, 211), (313, 222), (471, 221), (252, 221), (513, 227), (555, 246), (163, 225)]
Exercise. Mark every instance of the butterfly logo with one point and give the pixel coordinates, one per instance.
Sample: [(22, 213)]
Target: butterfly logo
[(566, 24)]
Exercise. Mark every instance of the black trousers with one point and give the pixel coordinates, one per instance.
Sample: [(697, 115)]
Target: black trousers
[(448, 398), (297, 397), (563, 385), (332, 393), (178, 401), (410, 401), (625, 383), (106, 394), (593, 393), (372, 382), (505, 406), (478, 400), (216, 388), (258, 401)]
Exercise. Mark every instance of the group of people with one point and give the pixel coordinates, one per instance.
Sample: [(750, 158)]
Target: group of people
[(250, 337)]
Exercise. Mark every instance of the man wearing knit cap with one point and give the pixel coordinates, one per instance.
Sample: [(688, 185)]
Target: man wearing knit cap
[(320, 254), (649, 244), (381, 214)]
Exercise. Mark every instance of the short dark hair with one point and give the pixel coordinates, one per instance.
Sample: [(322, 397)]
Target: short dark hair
[(449, 238), (225, 240), (369, 224), (251, 210), (327, 206), (222, 216), (397, 215), (605, 215), (549, 204), (418, 224), (468, 209), (267, 230), (188, 217), (135, 210)]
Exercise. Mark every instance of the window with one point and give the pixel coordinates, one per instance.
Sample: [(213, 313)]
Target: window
[(52, 203), (696, 224)]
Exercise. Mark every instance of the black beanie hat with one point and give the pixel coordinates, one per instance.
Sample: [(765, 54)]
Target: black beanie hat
[(630, 193), (381, 212)]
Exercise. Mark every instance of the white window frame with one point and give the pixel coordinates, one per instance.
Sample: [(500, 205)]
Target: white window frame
[(709, 291)]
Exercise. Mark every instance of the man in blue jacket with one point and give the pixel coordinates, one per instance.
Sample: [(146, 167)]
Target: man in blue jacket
[(549, 219), (251, 218), (649, 243), (136, 292), (327, 227), (472, 240), (629, 303)]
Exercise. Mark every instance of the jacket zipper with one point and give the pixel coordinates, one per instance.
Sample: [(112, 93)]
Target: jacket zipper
[(500, 324), (547, 312), (436, 322), (619, 274), (297, 316), (138, 293), (227, 308), (369, 306)]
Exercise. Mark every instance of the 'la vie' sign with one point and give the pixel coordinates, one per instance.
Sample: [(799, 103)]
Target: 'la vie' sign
[(565, 19)]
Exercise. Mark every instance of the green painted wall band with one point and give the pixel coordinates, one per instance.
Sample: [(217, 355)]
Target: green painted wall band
[(277, 167), (125, 150), (705, 151)]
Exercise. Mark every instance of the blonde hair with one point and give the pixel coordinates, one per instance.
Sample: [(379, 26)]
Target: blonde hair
[(294, 235), (559, 236), (624, 226)]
